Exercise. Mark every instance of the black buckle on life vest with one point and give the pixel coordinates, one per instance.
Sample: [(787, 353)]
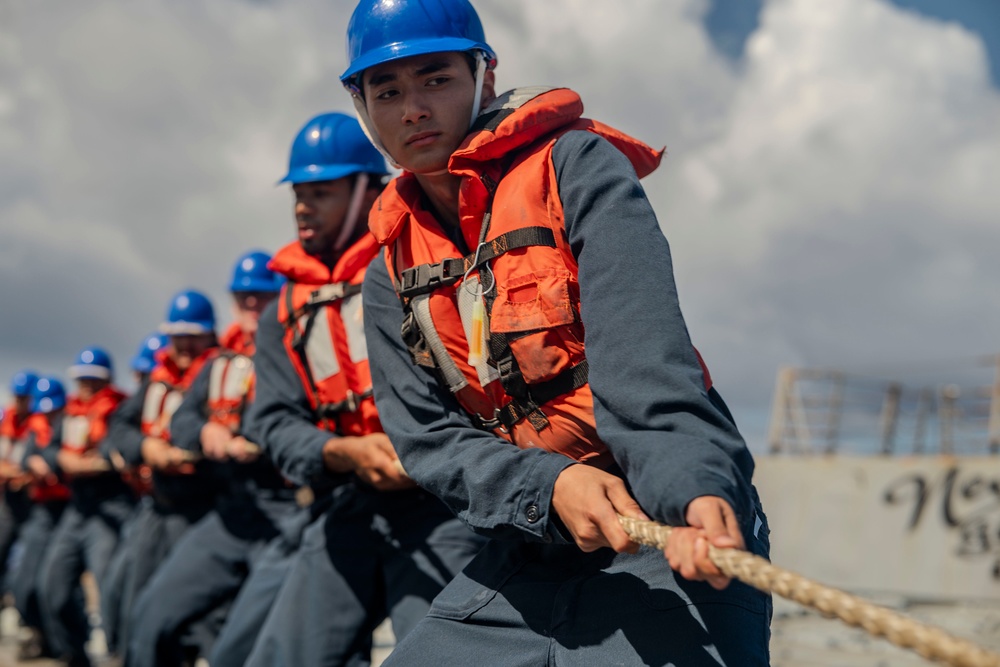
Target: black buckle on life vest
[(496, 423), (527, 405), (426, 278)]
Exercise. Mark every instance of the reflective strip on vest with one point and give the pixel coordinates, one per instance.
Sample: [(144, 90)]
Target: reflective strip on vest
[(76, 432), (468, 292), (160, 404), (319, 348), (352, 314), (449, 369), (230, 378)]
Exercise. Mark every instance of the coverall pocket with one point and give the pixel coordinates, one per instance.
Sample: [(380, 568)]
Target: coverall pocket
[(475, 586)]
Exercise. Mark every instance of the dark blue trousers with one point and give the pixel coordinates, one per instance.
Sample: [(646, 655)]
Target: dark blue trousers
[(530, 605), (36, 533), (80, 542), (371, 555), (254, 601), (116, 576), (15, 508), (152, 535), (206, 568)]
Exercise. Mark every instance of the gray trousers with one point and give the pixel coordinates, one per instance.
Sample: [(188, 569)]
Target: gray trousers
[(531, 605), (370, 556)]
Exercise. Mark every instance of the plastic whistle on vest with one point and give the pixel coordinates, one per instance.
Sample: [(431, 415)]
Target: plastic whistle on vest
[(477, 334)]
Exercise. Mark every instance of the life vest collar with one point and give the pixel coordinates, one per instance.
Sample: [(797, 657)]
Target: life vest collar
[(169, 373), (512, 122), (300, 267), (237, 341), (110, 393)]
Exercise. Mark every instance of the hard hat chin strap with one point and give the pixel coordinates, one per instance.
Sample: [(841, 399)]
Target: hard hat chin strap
[(366, 125), (353, 216), (480, 75)]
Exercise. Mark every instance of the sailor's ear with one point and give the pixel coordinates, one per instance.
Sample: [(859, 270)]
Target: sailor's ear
[(489, 89)]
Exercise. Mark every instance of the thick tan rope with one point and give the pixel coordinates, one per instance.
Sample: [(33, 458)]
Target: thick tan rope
[(931, 642)]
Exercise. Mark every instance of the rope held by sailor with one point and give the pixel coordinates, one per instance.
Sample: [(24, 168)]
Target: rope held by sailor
[(930, 642)]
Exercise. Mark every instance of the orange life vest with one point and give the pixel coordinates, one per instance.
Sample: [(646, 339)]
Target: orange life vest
[(50, 488), (324, 337), (167, 384), (530, 386), (13, 432), (231, 380), (86, 422)]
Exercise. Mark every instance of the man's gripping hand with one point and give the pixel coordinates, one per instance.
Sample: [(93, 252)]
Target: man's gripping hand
[(710, 520), (371, 457), (160, 455), (589, 500), (215, 439)]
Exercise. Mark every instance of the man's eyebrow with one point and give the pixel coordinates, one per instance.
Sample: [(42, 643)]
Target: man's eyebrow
[(381, 78), (429, 68), (432, 67)]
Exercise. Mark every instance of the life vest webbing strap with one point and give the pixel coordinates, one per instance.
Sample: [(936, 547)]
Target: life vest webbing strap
[(321, 296), (300, 337), (426, 278), (528, 406)]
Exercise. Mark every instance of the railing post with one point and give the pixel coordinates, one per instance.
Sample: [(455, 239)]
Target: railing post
[(890, 416)]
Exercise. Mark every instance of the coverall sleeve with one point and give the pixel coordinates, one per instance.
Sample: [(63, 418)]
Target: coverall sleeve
[(50, 453), (494, 487), (125, 428), (192, 413), (673, 439), (31, 448), (281, 419)]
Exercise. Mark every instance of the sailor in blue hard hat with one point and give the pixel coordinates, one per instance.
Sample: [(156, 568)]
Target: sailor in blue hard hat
[(253, 286), (15, 506), (49, 497), (15, 416), (316, 418), (184, 487), (86, 535), (144, 360), (335, 174), (190, 326), (240, 538), (515, 380)]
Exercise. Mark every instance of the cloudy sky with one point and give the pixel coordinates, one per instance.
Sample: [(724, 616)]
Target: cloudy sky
[(831, 191)]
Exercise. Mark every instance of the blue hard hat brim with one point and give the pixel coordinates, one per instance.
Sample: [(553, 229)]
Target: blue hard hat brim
[(410, 48), (46, 405), (188, 328), (142, 365), (255, 285), (89, 372), (315, 173)]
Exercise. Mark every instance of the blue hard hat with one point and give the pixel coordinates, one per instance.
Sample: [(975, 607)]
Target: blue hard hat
[(190, 313), (331, 146), (252, 275), (48, 395), (384, 30), (92, 363), (145, 357), (23, 382)]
